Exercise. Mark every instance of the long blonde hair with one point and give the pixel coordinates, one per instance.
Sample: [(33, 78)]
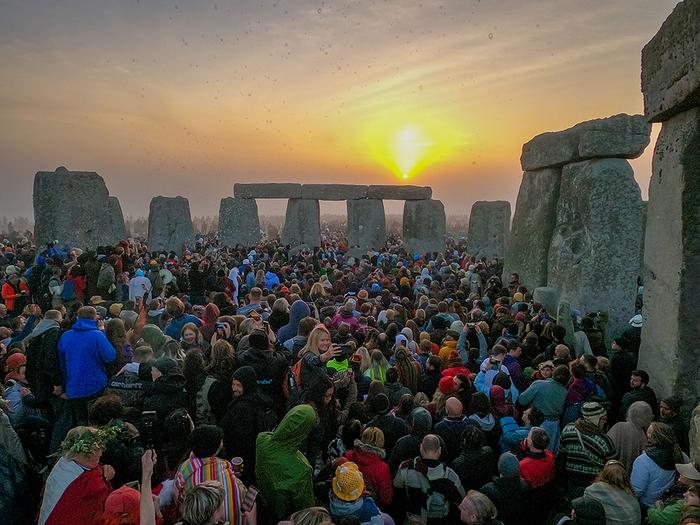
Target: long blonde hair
[(365, 359), (312, 341)]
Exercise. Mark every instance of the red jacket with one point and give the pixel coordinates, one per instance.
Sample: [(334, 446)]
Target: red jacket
[(538, 469), (375, 471)]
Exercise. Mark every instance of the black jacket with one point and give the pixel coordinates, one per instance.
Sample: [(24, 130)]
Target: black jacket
[(474, 467), (393, 428), (164, 396), (509, 495), (43, 368), (271, 370)]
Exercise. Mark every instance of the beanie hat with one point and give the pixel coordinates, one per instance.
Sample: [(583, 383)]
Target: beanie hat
[(421, 420), (380, 404), (15, 360), (592, 412), (447, 385), (454, 334), (139, 273), (247, 377), (348, 483), (373, 436), (457, 326), (508, 465), (167, 366)]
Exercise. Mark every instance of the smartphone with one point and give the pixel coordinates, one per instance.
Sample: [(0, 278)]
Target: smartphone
[(220, 326), (249, 499), (148, 419)]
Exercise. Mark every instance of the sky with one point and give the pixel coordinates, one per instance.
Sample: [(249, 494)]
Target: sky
[(188, 97)]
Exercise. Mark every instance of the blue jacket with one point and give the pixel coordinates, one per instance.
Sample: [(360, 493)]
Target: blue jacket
[(512, 434), (84, 353), (174, 328), (364, 509)]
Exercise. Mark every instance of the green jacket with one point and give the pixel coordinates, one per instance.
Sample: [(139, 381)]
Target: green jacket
[(668, 515), (284, 474)]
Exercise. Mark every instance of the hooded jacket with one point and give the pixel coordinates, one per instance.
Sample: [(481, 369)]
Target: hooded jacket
[(370, 461), (84, 353), (166, 394), (283, 473), (210, 317), (408, 447), (161, 344), (297, 312), (174, 327), (363, 508), (271, 371)]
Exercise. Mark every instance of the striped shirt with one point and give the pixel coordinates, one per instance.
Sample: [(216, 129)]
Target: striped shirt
[(586, 452), (195, 471)]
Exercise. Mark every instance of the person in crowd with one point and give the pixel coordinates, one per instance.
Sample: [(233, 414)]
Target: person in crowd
[(630, 437), (451, 427), (585, 448), (639, 391), (348, 497), (475, 463), (670, 413), (368, 454), (613, 490), (419, 424), (668, 511), (84, 352), (175, 309), (508, 492), (477, 509)]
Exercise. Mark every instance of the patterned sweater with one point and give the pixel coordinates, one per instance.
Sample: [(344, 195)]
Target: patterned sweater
[(586, 449)]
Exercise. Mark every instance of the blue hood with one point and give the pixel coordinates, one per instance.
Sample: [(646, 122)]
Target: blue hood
[(85, 324), (297, 312)]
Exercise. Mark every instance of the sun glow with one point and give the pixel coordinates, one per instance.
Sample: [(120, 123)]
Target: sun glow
[(407, 149)]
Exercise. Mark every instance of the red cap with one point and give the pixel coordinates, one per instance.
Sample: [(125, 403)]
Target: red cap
[(124, 500), (447, 385)]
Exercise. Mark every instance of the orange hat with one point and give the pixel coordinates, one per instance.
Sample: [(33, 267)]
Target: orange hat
[(123, 502)]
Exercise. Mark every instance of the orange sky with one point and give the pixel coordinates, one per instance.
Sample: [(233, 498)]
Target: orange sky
[(186, 98)]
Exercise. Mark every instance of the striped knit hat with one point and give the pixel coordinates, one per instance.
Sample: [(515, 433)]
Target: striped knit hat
[(592, 412)]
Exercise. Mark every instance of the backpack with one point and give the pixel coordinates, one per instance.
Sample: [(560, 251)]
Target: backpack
[(68, 292)]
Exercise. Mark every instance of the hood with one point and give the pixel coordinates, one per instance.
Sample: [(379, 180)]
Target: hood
[(84, 325), (154, 336), (408, 333), (341, 508), (366, 454), (211, 314), (246, 375), (485, 423), (41, 328), (422, 421), (297, 312), (640, 414), (295, 427)]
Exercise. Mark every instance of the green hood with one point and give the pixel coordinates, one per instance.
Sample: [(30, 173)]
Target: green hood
[(295, 427), (154, 336)]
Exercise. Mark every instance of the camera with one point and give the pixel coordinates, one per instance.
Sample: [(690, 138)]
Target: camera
[(346, 352), (148, 419), (220, 326)]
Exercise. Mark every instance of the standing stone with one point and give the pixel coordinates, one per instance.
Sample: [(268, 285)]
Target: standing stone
[(424, 226), (302, 224), (671, 64), (489, 227), (116, 219), (366, 225), (671, 331), (73, 208), (565, 320), (619, 136), (239, 222), (169, 224), (594, 253), (547, 297), (533, 224)]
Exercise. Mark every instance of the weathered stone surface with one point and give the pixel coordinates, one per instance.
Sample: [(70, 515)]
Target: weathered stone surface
[(424, 226), (366, 225), (271, 190), (533, 223), (671, 330), (72, 207), (302, 224), (671, 64), (593, 256), (619, 136), (239, 222), (489, 227), (565, 320), (333, 192), (547, 297), (116, 219), (169, 224), (399, 192)]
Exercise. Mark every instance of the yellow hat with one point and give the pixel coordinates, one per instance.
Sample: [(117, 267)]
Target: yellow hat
[(518, 297), (348, 483)]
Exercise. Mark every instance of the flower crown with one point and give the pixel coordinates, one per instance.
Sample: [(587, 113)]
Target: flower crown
[(90, 440)]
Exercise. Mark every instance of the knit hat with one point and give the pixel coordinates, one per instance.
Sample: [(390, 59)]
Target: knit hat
[(380, 404), (457, 326), (247, 377), (508, 465), (454, 334), (15, 360), (447, 385), (101, 311), (139, 273), (421, 420), (373, 436), (518, 297), (404, 281), (592, 412), (122, 502), (166, 366), (348, 483)]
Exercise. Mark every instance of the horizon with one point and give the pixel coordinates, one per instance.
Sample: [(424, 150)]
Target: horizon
[(163, 98)]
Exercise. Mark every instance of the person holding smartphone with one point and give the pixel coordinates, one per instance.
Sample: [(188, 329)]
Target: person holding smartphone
[(314, 356)]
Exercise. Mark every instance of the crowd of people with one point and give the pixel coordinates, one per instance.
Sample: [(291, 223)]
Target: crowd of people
[(273, 385)]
